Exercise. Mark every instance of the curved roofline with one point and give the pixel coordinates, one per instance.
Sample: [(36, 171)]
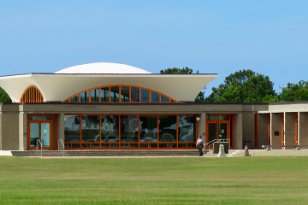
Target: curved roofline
[(103, 68)]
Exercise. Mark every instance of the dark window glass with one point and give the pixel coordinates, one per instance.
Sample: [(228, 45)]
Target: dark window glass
[(90, 128), (145, 96), (74, 99), (167, 128), (135, 95), (72, 131), (165, 99), (114, 94), (95, 96), (105, 94), (39, 117), (129, 128), (217, 117), (84, 97), (125, 94), (149, 131), (155, 97)]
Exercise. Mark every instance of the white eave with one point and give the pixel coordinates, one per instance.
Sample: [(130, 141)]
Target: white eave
[(61, 85)]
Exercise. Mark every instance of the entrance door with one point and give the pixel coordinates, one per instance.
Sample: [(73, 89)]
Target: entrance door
[(40, 132), (217, 131)]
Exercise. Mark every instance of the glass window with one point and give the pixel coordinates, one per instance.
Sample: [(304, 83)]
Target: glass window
[(217, 117), (95, 95), (167, 128), (110, 128), (105, 94), (145, 96), (84, 97), (125, 94), (34, 134), (149, 131), (39, 117), (164, 99), (129, 128), (114, 94), (154, 97), (74, 99), (135, 95), (90, 128), (72, 130), (187, 128)]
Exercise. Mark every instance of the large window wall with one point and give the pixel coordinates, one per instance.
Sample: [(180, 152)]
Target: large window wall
[(130, 131), (119, 94)]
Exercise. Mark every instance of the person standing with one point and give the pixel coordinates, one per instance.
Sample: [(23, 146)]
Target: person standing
[(199, 145)]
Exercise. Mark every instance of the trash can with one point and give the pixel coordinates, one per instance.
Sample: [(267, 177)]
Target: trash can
[(216, 147)]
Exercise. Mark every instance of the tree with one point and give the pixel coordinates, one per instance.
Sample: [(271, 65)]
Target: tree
[(184, 70), (4, 97), (295, 92), (174, 70), (244, 86)]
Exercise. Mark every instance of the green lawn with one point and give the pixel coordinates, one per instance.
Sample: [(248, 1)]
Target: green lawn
[(133, 181)]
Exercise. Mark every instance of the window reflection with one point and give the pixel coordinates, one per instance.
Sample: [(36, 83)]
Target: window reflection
[(167, 128), (104, 94), (109, 128), (186, 128), (125, 94), (145, 96), (135, 95), (129, 128), (149, 129), (90, 129), (72, 130), (112, 95)]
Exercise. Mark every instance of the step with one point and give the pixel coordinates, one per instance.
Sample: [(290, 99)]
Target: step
[(107, 153)]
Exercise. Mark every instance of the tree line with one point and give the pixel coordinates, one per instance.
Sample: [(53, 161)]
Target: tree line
[(243, 86)]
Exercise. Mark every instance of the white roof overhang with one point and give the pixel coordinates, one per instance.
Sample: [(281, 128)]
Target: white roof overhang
[(59, 86)]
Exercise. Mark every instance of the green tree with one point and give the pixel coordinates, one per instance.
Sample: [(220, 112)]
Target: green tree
[(184, 70), (244, 86), (295, 92), (4, 97), (174, 70)]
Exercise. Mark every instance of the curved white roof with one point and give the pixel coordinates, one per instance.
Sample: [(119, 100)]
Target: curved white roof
[(103, 68)]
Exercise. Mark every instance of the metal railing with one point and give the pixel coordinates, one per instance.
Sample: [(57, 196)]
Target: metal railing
[(211, 143), (60, 142), (40, 146)]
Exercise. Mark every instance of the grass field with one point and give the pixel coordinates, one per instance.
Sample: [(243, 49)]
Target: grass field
[(133, 181)]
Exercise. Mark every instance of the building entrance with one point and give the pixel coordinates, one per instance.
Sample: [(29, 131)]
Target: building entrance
[(219, 126), (41, 132)]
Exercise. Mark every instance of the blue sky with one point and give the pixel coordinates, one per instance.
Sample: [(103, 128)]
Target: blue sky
[(217, 36)]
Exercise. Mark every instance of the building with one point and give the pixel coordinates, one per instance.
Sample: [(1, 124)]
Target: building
[(116, 106)]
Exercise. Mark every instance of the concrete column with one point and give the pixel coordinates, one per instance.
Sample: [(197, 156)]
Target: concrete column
[(303, 123), (277, 134), (263, 135), (61, 130), (0, 130), (299, 128), (284, 128), (238, 131), (271, 129), (290, 129), (202, 125), (22, 141)]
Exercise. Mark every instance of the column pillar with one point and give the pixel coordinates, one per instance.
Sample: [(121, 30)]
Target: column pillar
[(61, 131), (271, 129), (298, 128), (22, 126)]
